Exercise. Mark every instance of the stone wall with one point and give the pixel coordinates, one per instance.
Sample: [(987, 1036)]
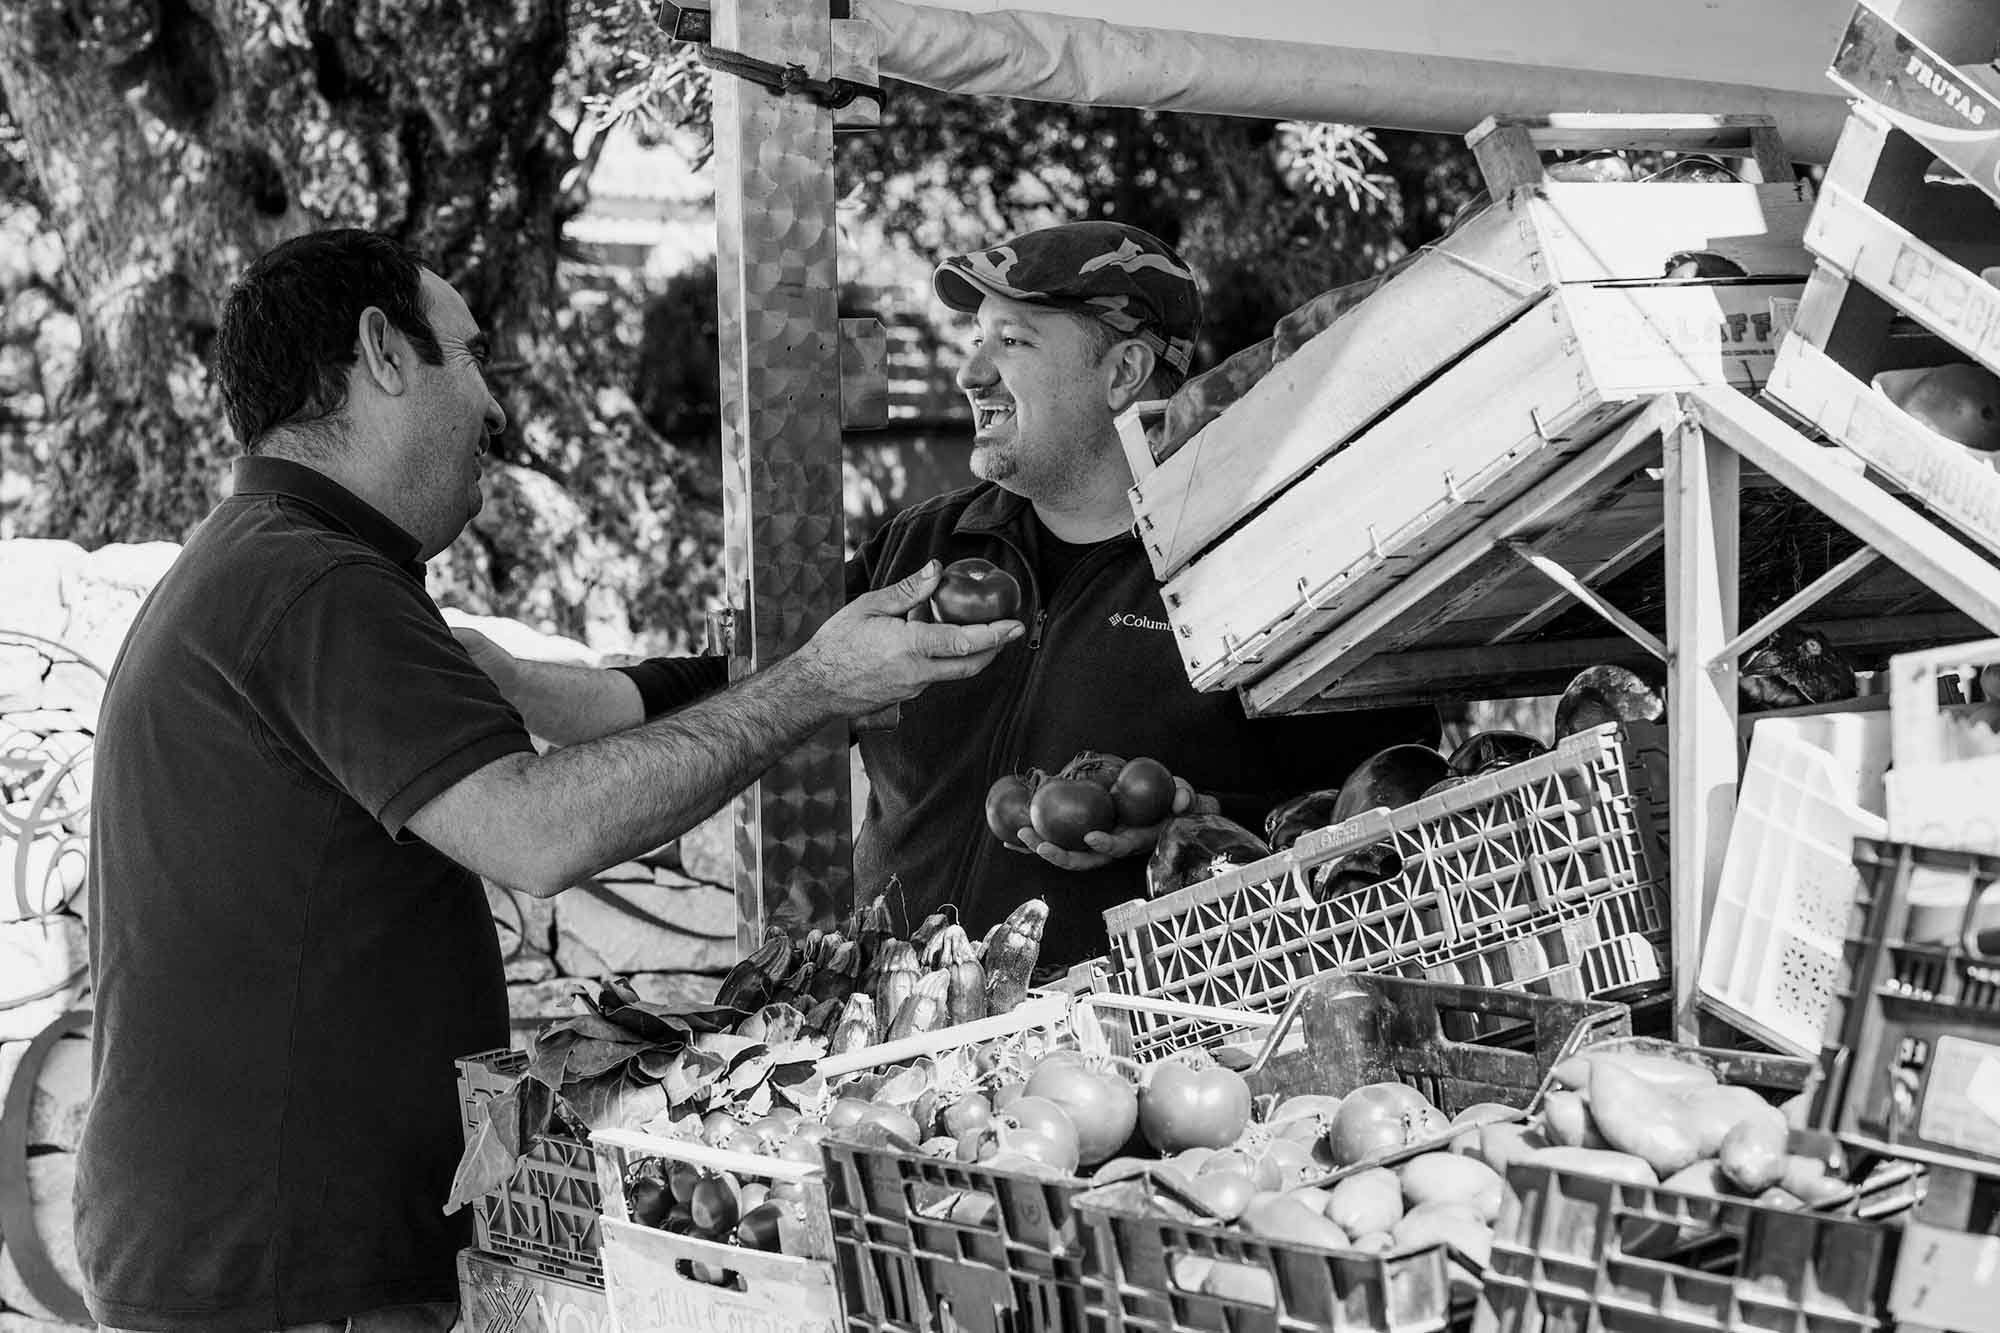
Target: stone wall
[(664, 920)]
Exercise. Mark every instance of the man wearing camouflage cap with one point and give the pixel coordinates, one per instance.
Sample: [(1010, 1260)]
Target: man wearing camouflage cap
[(1072, 324)]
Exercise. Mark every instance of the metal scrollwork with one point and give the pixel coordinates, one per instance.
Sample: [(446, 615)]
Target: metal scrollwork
[(45, 770)]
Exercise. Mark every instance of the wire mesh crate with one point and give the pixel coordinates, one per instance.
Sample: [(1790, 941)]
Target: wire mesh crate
[(1549, 877)]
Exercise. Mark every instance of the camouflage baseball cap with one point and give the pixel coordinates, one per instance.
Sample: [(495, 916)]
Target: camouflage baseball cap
[(1130, 279)]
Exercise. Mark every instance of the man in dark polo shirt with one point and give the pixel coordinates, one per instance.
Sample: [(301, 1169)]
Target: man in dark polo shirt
[(298, 773)]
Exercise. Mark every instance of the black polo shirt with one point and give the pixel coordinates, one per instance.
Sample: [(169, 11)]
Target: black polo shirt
[(284, 976)]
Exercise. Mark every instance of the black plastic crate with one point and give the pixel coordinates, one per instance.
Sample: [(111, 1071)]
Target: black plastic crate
[(1917, 1022)]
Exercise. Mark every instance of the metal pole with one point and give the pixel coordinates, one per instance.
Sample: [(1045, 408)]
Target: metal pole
[(783, 528)]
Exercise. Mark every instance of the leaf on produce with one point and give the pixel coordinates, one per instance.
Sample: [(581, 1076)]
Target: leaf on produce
[(758, 1103), (592, 1027), (797, 1052), (903, 1089), (589, 1058), (748, 1074), (616, 1102), (805, 1092), (655, 1061), (727, 1045), (505, 1122), (669, 1125), (683, 1080)]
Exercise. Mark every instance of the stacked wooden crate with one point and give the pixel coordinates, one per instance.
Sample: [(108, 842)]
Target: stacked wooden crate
[(1498, 354)]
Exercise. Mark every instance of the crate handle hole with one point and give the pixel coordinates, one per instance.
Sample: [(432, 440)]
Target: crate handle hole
[(710, 1275), (1224, 1280)]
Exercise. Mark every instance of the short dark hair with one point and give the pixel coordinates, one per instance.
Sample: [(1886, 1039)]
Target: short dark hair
[(1100, 338), (286, 337)]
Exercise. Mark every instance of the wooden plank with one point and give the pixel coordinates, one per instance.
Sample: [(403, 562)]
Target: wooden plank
[(1519, 670), (1569, 583), (1335, 385), (1912, 75), (1905, 536), (1956, 483), (1576, 485), (1506, 155), (1937, 290), (1438, 309), (1702, 547), (1417, 479), (1798, 603), (1679, 132), (1420, 468), (1637, 341), (1606, 569)]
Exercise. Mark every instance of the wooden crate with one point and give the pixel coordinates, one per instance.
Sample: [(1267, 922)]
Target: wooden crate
[(1896, 286), (1923, 63), (1452, 297), (1487, 429)]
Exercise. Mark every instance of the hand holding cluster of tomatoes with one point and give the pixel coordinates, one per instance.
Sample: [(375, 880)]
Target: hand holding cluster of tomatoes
[(1094, 810)]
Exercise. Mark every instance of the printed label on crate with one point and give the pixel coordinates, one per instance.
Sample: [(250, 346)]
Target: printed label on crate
[(1942, 106), (1945, 1278), (655, 1285), (1961, 1098)]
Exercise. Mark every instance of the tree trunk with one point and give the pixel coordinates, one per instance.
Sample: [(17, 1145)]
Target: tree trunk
[(174, 140)]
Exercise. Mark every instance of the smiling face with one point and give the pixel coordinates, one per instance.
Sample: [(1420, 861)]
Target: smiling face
[(1037, 380), (449, 414)]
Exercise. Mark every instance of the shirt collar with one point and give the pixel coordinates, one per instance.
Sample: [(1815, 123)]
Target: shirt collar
[(257, 474), (996, 509)]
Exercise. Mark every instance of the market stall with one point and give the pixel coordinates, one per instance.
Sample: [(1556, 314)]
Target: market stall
[(1421, 1079)]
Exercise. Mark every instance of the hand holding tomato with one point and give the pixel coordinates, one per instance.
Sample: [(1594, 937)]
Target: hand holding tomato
[(1102, 847), (975, 592)]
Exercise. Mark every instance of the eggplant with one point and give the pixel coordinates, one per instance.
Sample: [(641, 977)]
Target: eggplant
[(1289, 822), (1193, 848), (1485, 751), (1393, 777), (1795, 666), (1603, 694), (1357, 870)]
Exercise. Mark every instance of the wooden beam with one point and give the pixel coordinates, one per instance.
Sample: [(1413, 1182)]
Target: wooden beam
[(1702, 546), (1795, 605), (1569, 583), (783, 521), (1602, 572), (1515, 670), (1936, 558)]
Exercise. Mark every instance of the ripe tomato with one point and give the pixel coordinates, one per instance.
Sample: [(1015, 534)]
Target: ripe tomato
[(1143, 793), (1035, 1144), (1007, 806), (1064, 809), (975, 592), (715, 1206), (1379, 1118), (1101, 1104), (1049, 1120), (1184, 1107), (969, 1112)]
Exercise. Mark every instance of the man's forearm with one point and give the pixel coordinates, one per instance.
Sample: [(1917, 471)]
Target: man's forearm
[(608, 800), (568, 704)]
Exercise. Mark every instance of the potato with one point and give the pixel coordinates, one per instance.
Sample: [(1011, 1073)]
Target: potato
[(1634, 1118), (1442, 1178), (1753, 1151)]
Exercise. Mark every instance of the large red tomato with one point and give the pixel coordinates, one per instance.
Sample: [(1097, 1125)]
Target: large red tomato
[(1044, 1117), (1379, 1118), (1007, 806), (1101, 1104), (1143, 793), (1184, 1107), (1064, 809), (975, 592)]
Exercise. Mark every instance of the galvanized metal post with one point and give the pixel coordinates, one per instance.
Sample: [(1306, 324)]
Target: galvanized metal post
[(783, 529)]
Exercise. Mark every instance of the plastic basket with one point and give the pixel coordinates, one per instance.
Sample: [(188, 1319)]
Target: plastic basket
[(925, 1245), (1576, 1252), (1915, 1072), (658, 1280), (1339, 1034), (545, 1217), (1948, 1271), (1549, 876), (495, 1296), (1771, 962)]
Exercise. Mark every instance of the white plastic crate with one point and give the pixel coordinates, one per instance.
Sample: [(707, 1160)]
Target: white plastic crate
[(1773, 949)]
